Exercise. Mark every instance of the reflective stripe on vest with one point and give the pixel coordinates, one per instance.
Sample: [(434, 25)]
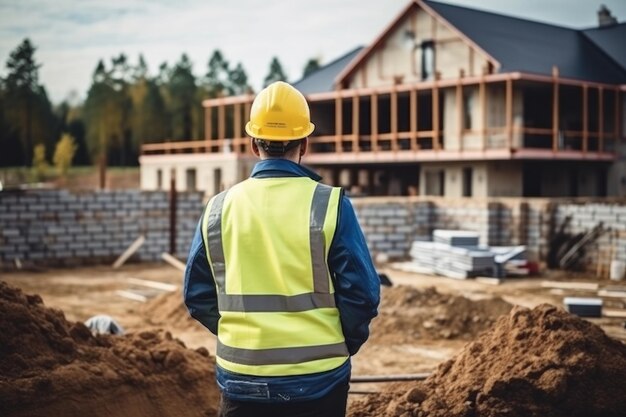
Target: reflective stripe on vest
[(249, 341)]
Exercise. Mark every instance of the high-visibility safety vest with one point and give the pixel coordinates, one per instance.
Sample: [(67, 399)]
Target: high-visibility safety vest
[(267, 243)]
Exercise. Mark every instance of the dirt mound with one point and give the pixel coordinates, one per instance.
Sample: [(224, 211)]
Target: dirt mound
[(167, 309), (51, 367), (408, 314), (540, 362)]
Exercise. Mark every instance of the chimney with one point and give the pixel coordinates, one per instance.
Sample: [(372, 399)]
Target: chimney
[(605, 18)]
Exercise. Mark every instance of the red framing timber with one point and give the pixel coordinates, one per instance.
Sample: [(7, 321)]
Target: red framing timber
[(600, 119), (413, 118), (208, 133), (509, 113), (555, 109), (585, 145)]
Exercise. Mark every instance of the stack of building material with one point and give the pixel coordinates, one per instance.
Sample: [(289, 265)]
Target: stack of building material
[(449, 257), (457, 254), (456, 237)]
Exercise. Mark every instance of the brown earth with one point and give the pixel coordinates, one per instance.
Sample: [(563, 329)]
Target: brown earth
[(407, 315), (83, 292), (52, 367), (539, 362)]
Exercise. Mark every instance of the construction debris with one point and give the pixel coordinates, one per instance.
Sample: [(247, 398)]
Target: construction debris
[(173, 261), (134, 247)]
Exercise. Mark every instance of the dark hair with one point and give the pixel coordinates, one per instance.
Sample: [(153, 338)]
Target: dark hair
[(274, 148)]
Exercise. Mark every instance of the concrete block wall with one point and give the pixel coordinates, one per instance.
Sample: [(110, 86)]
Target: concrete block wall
[(56, 227), (584, 217), (506, 221)]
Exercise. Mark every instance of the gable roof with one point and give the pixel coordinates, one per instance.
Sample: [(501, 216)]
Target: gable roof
[(519, 45), (323, 78), (612, 40), (534, 47)]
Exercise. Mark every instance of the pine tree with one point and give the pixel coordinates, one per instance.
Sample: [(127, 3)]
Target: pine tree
[(311, 66), (276, 73)]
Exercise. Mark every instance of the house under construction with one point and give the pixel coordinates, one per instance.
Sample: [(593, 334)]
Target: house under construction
[(446, 101)]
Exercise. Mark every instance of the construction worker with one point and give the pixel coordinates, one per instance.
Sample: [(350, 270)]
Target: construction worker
[(279, 270)]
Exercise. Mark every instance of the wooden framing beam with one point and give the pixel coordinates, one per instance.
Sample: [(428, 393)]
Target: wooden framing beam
[(617, 123), (459, 110), (221, 122), (338, 124), (413, 118), (208, 133), (585, 144), (435, 104), (555, 109), (482, 98), (509, 112), (393, 97), (600, 119), (237, 121), (355, 123), (374, 121)]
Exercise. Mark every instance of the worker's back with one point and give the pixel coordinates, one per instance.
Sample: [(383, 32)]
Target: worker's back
[(278, 313)]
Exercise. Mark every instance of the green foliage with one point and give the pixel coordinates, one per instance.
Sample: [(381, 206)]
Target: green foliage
[(26, 112), (64, 154), (40, 164), (312, 65), (276, 73), (182, 91), (125, 107)]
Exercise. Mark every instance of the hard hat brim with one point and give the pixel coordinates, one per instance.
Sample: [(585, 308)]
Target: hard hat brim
[(279, 138)]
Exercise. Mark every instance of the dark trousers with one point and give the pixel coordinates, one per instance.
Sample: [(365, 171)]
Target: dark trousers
[(332, 404)]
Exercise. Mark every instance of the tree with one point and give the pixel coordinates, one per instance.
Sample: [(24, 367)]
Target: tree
[(276, 73), (182, 93), (238, 80), (64, 154), (27, 112), (217, 79), (40, 164), (312, 65)]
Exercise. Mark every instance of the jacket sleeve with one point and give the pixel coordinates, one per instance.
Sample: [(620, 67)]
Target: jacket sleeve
[(199, 290), (357, 285)]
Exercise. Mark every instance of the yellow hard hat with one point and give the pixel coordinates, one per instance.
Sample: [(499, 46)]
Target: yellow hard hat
[(279, 113)]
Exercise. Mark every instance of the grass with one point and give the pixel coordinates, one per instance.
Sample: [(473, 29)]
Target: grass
[(79, 177)]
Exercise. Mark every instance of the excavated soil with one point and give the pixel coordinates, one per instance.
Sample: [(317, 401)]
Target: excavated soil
[(54, 368), (168, 308), (539, 362), (408, 314)]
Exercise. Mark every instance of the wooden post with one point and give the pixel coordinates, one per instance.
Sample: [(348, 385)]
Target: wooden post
[(355, 123), (509, 112), (413, 118), (585, 144), (435, 103), (617, 123), (237, 122), (102, 165), (173, 196), (338, 123), (555, 109), (459, 109), (221, 121), (374, 121), (394, 118), (600, 119), (482, 98), (208, 134)]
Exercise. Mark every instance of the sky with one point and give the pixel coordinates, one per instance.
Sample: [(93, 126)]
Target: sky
[(72, 35)]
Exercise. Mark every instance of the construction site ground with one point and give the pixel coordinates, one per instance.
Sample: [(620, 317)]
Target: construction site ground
[(401, 343)]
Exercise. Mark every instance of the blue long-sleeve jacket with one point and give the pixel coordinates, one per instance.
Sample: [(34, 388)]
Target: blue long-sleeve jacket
[(357, 295)]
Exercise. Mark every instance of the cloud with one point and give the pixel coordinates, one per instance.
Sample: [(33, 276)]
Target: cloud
[(72, 35)]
